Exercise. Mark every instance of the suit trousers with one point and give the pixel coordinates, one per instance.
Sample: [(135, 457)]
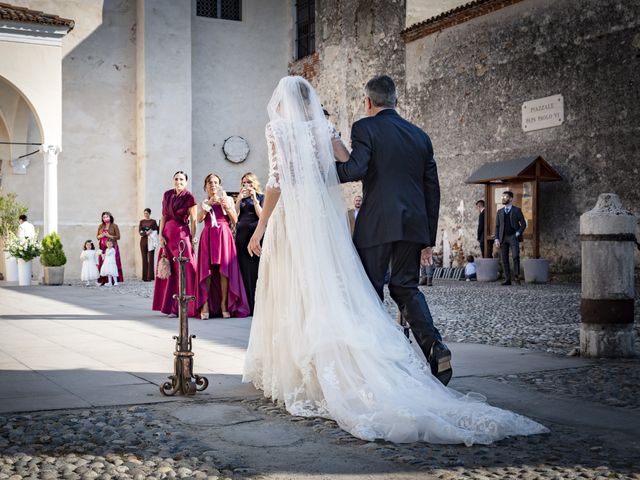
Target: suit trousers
[(148, 264), (512, 243), (404, 259)]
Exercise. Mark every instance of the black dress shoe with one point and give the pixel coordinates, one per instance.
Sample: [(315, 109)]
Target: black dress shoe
[(440, 362), (506, 282), (423, 281)]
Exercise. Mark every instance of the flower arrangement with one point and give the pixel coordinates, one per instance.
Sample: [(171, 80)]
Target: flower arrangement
[(26, 249)]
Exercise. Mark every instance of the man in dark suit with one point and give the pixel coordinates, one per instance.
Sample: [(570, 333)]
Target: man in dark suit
[(397, 223), (510, 225), (480, 207)]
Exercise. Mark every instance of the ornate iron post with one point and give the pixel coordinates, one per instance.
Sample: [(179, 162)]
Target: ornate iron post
[(183, 381)]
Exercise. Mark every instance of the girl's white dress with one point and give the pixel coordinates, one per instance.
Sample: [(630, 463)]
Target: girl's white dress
[(109, 266), (89, 266)]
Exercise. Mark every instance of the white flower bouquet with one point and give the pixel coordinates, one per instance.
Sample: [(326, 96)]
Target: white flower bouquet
[(26, 249)]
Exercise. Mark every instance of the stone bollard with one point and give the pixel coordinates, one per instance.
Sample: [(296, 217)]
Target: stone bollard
[(608, 247)]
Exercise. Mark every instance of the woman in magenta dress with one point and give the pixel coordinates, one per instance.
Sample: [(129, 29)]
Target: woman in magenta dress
[(220, 288), (178, 222), (108, 230)]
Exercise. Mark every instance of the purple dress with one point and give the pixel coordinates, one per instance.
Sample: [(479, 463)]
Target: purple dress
[(175, 210), (217, 247)]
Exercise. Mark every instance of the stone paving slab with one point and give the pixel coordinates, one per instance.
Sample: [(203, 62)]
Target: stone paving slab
[(90, 342)]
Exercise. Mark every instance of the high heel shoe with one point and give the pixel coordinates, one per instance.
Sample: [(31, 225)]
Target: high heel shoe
[(204, 313), (225, 314)]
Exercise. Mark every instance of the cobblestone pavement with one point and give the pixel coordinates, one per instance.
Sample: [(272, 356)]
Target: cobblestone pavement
[(565, 453), (146, 442), (104, 443), (615, 383)]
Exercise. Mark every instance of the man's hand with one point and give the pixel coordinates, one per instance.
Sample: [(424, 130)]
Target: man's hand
[(426, 256), (497, 243)]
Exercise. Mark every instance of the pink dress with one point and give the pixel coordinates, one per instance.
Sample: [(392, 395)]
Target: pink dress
[(217, 247), (175, 210)]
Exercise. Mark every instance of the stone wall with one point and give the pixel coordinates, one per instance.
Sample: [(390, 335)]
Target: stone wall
[(97, 165), (235, 68), (465, 86), (355, 40)]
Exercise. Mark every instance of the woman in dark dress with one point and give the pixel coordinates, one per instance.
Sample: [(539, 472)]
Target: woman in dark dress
[(145, 227), (249, 207), (178, 222)]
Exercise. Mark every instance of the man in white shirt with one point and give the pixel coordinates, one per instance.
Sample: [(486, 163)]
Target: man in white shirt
[(25, 229), (353, 212)]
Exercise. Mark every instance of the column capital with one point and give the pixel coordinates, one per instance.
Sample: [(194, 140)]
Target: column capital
[(51, 149)]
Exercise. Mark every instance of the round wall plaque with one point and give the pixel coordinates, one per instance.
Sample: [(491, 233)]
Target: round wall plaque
[(236, 149)]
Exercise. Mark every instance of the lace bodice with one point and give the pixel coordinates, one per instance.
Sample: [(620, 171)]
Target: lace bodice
[(275, 161)]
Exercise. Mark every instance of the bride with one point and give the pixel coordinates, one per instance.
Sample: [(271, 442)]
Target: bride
[(321, 340)]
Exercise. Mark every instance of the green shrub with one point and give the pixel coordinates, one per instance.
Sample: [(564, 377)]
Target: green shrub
[(52, 252), (10, 210)]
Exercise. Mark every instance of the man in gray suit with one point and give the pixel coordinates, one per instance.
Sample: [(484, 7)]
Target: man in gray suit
[(510, 225)]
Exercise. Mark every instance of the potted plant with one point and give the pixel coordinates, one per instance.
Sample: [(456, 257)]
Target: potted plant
[(24, 250), (10, 210), (53, 259)]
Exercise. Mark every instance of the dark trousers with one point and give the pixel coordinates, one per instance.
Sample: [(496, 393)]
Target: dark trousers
[(510, 243), (147, 261), (404, 258), (482, 254)]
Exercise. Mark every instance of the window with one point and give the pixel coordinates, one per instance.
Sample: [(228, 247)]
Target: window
[(224, 9), (305, 28)]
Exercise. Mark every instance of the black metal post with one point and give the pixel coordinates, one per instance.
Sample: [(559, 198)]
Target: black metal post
[(183, 381)]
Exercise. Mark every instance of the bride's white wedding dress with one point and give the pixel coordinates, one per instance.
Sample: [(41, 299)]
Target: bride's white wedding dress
[(321, 341)]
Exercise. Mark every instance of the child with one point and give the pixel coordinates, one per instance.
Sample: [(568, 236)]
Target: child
[(89, 259), (470, 269), (109, 267)]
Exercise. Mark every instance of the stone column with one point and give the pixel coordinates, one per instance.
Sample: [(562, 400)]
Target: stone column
[(608, 248), (50, 187)]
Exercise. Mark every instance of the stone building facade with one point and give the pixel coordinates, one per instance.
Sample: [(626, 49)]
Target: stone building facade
[(463, 77), (150, 87)]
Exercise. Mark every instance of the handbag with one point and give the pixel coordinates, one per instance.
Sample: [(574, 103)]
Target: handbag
[(163, 271)]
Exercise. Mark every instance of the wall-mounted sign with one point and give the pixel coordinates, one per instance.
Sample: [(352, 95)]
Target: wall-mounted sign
[(236, 149), (543, 113)]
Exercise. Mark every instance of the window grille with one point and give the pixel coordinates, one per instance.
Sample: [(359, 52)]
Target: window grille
[(224, 9), (305, 28)]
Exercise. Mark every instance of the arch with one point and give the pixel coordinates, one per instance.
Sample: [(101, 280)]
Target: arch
[(26, 100)]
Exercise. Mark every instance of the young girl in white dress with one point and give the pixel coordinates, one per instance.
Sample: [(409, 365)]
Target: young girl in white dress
[(109, 266), (89, 259)]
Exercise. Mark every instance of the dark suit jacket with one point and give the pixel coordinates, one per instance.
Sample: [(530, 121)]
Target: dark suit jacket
[(401, 192), (517, 222), (481, 226)]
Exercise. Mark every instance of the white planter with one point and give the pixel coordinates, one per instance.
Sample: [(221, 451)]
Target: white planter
[(11, 265), (487, 269), (536, 270), (24, 273)]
